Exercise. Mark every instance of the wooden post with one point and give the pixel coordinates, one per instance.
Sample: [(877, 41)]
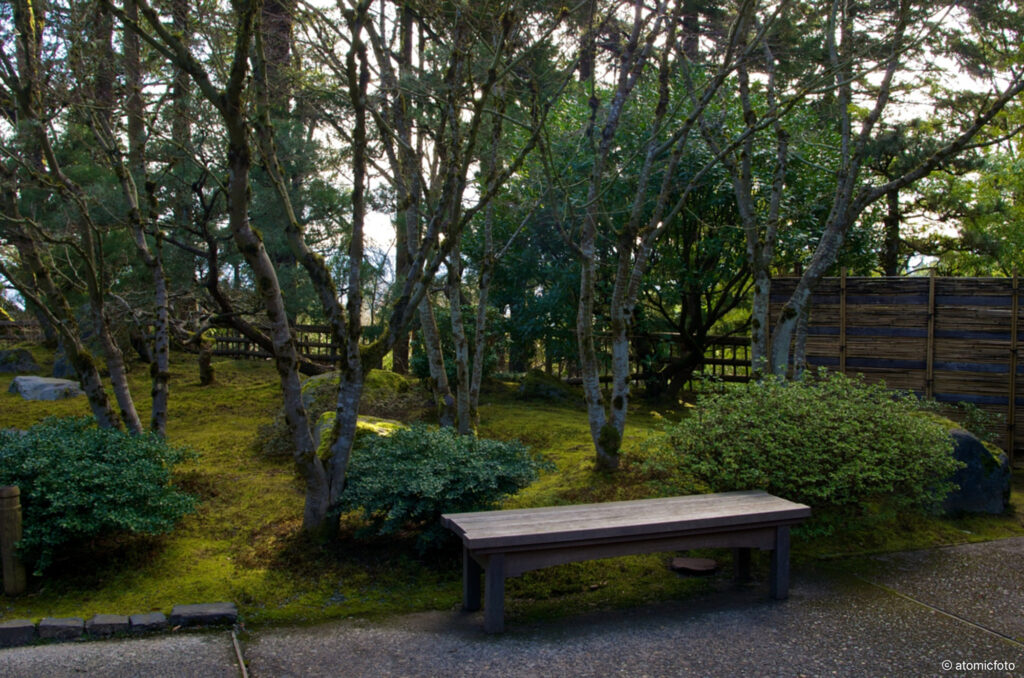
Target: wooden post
[(929, 370), (842, 320), (494, 593), (1011, 410), (780, 564), (10, 534), (470, 582)]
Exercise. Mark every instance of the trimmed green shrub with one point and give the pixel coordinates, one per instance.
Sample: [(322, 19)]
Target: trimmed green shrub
[(79, 482), (854, 452), (407, 479)]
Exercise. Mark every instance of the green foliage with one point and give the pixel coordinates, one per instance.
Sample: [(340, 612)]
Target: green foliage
[(79, 482), (537, 385), (984, 424), (419, 364), (854, 452), (409, 478)]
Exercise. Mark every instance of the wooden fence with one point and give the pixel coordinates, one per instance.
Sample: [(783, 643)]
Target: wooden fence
[(951, 339), (19, 331), (312, 341), (727, 359)]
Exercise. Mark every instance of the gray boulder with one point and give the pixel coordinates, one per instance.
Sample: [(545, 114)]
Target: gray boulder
[(17, 361), (985, 480), (44, 388)]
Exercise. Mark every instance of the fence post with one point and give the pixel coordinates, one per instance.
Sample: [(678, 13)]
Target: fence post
[(1011, 414), (10, 534), (929, 370), (842, 320)]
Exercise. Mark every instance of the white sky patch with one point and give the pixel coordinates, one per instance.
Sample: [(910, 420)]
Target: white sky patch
[(379, 231)]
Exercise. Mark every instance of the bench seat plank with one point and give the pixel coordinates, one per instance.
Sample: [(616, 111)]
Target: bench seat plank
[(620, 520)]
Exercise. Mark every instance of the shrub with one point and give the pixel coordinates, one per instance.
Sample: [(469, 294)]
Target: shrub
[(407, 479), (853, 452), (79, 482)]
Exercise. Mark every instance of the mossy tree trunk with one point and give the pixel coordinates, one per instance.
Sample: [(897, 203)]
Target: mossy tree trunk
[(760, 228), (651, 40), (464, 421), (439, 385)]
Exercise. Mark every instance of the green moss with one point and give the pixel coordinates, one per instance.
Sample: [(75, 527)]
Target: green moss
[(323, 425), (382, 381), (537, 385), (245, 542)]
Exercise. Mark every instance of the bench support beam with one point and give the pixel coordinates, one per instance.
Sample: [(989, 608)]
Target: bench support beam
[(471, 572), (494, 607), (780, 564)]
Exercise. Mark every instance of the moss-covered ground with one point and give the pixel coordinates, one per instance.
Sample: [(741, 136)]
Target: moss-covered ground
[(244, 543)]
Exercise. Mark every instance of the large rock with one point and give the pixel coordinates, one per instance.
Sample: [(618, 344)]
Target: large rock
[(44, 388), (17, 361), (985, 480)]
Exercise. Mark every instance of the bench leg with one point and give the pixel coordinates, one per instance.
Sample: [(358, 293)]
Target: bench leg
[(494, 606), (780, 564), (741, 564), (471, 572)]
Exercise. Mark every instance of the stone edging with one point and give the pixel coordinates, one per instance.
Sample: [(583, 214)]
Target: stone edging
[(24, 631)]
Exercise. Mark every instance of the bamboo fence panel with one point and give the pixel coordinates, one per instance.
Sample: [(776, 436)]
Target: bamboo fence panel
[(953, 339)]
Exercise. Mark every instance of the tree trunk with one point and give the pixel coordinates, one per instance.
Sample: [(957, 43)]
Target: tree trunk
[(800, 344), (160, 372), (207, 375), (462, 401), (29, 22), (891, 248), (435, 362)]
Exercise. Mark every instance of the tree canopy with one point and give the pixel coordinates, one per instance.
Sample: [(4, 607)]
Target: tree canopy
[(598, 187)]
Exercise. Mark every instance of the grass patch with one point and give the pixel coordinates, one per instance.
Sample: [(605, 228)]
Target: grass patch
[(244, 544)]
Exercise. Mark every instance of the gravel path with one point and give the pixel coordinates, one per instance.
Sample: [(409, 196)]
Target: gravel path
[(898, 615)]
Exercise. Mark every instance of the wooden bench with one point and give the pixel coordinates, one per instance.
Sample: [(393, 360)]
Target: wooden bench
[(500, 544)]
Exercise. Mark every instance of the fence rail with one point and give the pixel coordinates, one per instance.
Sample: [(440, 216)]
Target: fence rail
[(312, 341), (17, 332), (727, 359)]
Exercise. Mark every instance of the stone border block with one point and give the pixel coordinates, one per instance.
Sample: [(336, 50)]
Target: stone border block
[(62, 628), (17, 632), (107, 624), (204, 614), (147, 622)]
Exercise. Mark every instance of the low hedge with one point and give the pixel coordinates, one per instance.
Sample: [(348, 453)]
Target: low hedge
[(79, 482)]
